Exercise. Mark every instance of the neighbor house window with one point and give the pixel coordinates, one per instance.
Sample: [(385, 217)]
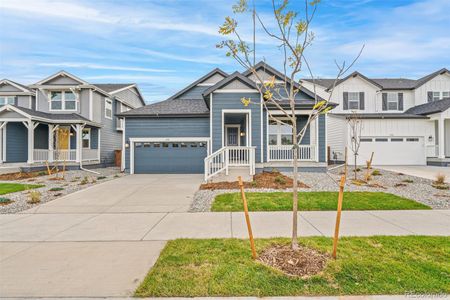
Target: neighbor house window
[(279, 133), (436, 96), (445, 94), (63, 100), (86, 138), (7, 100), (392, 101), (108, 108), (353, 100)]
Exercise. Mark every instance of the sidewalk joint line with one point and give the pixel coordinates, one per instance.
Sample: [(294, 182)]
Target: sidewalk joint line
[(390, 222), (156, 224), (311, 224)]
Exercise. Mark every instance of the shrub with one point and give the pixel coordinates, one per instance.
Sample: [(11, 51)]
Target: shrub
[(42, 173), (357, 169), (280, 180), (254, 184), (376, 173), (84, 181), (440, 179), (5, 201), (56, 189), (101, 177), (407, 180), (116, 176), (35, 197)]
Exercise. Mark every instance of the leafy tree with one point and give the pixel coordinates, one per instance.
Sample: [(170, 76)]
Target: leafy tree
[(292, 36)]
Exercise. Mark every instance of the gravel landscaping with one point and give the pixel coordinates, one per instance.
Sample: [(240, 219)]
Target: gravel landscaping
[(73, 181), (411, 187)]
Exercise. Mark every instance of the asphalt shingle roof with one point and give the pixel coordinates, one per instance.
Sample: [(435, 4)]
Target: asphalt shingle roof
[(384, 115), (65, 117), (171, 107), (430, 108)]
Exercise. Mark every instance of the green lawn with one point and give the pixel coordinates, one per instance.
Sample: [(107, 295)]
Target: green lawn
[(282, 201), (6, 188), (365, 265)]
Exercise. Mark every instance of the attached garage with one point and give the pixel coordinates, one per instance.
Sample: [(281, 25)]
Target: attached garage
[(169, 156), (392, 150)]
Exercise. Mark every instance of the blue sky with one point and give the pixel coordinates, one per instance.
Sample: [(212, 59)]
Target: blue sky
[(164, 45)]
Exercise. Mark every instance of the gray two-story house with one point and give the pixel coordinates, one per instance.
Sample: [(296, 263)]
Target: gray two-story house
[(205, 128), (63, 118)]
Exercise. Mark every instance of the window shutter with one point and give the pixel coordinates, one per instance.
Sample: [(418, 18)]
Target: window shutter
[(400, 101), (345, 100), (430, 96), (361, 100), (384, 104), (16, 100)]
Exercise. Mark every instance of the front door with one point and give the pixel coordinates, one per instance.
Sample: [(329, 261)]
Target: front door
[(62, 138), (232, 136)]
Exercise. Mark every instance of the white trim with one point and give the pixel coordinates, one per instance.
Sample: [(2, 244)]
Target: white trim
[(205, 84), (99, 140), (326, 138), (163, 139), (317, 138), (122, 89), (63, 74), (122, 162), (261, 125), (37, 99), (222, 91), (238, 126), (4, 144), (15, 85), (91, 106), (249, 124), (63, 101), (267, 135), (30, 102), (297, 112), (210, 122), (90, 138)]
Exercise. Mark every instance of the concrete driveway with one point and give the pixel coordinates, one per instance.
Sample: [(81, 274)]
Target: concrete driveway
[(428, 172), (90, 243), (130, 194)]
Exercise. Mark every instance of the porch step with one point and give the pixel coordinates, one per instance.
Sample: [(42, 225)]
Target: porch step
[(233, 174)]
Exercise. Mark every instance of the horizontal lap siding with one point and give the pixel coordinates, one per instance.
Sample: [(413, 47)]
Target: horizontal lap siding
[(223, 101), (322, 139), (41, 137), (163, 127), (16, 142)]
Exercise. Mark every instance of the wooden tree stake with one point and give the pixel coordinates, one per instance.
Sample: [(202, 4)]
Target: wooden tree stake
[(338, 216), (346, 162), (369, 166), (247, 218), (48, 168)]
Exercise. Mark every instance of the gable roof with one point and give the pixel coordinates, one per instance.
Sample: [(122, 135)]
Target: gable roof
[(424, 79), (263, 65), (64, 74), (354, 74), (235, 76), (200, 80), (22, 87), (171, 107), (430, 108), (112, 87)]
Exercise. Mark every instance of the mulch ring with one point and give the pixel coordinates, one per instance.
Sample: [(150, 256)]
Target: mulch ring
[(22, 175), (304, 262), (268, 180)]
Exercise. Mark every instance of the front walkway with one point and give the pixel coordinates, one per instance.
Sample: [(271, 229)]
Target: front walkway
[(428, 172), (100, 242)]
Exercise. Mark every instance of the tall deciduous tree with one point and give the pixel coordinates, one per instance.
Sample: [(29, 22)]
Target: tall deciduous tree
[(291, 36)]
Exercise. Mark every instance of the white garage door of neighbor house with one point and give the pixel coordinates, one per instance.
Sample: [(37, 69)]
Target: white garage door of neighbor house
[(393, 150)]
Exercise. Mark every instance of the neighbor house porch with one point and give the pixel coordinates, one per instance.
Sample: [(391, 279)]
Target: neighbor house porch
[(32, 137), (438, 152)]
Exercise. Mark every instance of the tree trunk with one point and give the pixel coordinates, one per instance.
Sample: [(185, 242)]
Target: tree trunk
[(294, 243), (356, 156)]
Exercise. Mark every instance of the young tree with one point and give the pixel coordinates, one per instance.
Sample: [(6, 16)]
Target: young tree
[(291, 36), (355, 126)]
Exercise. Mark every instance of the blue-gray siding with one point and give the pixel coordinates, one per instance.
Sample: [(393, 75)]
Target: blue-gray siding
[(41, 137), (194, 93), (164, 127), (16, 142), (110, 137), (322, 139), (233, 101), (94, 138)]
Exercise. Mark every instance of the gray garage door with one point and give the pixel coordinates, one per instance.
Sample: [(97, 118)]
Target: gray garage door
[(169, 158)]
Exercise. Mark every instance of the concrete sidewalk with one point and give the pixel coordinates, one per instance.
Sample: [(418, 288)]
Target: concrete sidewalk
[(168, 226)]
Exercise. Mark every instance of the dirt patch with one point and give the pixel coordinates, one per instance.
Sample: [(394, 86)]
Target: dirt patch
[(304, 262), (21, 175), (269, 180)]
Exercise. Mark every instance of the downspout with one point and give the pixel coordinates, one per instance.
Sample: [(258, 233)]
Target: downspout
[(81, 159)]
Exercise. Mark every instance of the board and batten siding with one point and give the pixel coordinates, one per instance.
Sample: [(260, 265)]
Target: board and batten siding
[(224, 101), (322, 144), (163, 127), (337, 136), (440, 83)]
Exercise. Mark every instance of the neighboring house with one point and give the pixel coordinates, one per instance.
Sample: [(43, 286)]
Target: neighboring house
[(204, 128), (63, 118), (405, 121)]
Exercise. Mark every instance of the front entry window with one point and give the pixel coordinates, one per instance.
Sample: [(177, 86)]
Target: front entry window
[(279, 133)]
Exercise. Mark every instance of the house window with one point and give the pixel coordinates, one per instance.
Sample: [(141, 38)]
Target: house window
[(86, 138), (353, 100), (436, 96), (279, 133), (108, 108), (392, 101), (63, 100), (7, 100), (445, 94)]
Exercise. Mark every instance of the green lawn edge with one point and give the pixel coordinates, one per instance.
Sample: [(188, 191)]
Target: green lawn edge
[(385, 265), (7, 188), (314, 201)]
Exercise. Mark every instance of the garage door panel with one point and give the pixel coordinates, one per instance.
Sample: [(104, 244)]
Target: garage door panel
[(392, 150), (169, 158)]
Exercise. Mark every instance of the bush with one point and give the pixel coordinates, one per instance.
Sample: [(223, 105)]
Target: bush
[(101, 177), (56, 189), (116, 176), (407, 180), (376, 173), (35, 197), (440, 179), (280, 180), (4, 201), (42, 173), (84, 181)]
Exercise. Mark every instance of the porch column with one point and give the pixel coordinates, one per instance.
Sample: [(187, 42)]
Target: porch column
[(2, 125), (30, 126), (441, 139), (51, 129), (79, 132)]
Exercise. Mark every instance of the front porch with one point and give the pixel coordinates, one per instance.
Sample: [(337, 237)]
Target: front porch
[(438, 153), (33, 140)]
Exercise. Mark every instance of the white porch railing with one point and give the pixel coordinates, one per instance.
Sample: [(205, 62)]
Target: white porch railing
[(42, 155), (285, 153), (432, 150), (90, 154), (225, 157)]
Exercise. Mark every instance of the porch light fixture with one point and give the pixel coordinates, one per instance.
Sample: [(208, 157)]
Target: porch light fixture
[(430, 138), (127, 145), (242, 133), (71, 133)]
